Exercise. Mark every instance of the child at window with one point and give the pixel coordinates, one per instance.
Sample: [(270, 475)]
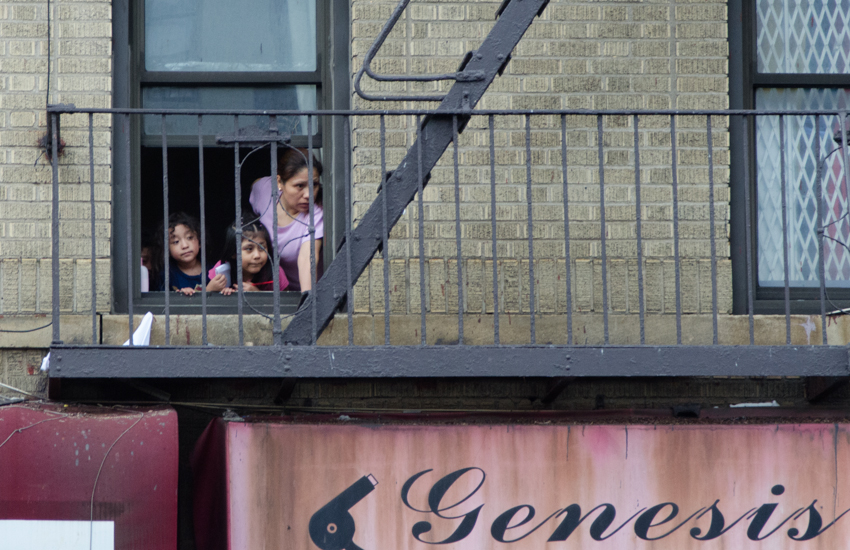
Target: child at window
[(184, 244), (152, 258), (256, 250)]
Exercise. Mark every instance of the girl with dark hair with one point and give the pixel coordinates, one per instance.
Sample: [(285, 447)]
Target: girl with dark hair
[(292, 200), (184, 244), (256, 251)]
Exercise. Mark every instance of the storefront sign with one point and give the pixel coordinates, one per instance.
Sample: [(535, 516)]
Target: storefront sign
[(517, 487)]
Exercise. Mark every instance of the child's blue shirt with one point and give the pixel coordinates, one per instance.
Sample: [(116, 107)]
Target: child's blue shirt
[(179, 280)]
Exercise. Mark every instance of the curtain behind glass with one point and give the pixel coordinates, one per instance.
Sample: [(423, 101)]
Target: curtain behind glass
[(228, 35), (804, 169), (803, 36)]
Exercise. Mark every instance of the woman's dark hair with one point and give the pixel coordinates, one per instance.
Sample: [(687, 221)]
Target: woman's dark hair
[(291, 161), (251, 231)]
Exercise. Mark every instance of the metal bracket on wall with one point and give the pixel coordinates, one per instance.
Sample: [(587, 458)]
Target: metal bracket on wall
[(436, 135)]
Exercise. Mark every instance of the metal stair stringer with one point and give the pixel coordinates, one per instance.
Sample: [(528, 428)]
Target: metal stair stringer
[(515, 16)]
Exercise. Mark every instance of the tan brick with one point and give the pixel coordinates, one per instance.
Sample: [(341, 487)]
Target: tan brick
[(534, 66), (22, 47), (614, 30), (711, 13), (702, 49), (24, 13), (574, 13), (437, 285), (18, 83), (651, 13), (23, 30), (701, 30)]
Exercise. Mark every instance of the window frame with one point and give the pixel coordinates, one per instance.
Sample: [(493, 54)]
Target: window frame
[(332, 79), (745, 79)]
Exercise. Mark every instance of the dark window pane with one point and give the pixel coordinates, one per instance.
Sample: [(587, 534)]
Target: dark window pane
[(299, 97)]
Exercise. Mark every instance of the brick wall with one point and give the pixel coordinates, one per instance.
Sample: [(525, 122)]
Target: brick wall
[(593, 55), (578, 54), (80, 73)]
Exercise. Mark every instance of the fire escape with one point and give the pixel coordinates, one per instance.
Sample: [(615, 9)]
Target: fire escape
[(437, 132), (294, 353)]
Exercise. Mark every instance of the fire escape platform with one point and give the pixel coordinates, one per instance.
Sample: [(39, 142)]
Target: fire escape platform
[(451, 361)]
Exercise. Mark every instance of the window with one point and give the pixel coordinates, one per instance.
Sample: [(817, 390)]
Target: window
[(218, 54), (800, 60)]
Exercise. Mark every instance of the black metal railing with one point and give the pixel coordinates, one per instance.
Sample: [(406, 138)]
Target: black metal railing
[(358, 244)]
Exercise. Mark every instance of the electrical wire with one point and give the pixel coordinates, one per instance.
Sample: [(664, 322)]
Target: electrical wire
[(99, 470), (822, 230), (26, 330)]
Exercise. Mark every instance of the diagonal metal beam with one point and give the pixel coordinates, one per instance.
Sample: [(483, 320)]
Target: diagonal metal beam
[(435, 137)]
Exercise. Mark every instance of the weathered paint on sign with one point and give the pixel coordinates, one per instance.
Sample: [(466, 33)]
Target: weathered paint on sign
[(517, 487), (88, 471)]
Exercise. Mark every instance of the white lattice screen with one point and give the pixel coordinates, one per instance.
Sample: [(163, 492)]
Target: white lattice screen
[(802, 37)]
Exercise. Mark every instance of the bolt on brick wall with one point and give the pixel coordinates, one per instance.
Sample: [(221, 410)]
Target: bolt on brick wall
[(593, 55), (80, 73)]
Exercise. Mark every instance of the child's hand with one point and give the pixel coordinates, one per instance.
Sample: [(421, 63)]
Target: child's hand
[(187, 291), (249, 287), (228, 291), (217, 284)]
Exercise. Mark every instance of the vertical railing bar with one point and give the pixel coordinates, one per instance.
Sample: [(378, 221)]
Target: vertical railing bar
[(54, 224), (711, 229), (166, 262), (93, 239), (676, 257), (457, 232), (275, 198), (602, 227), (129, 240), (567, 229), (638, 235), (491, 125), (820, 230), (311, 230), (530, 226), (346, 129), (748, 230), (785, 265), (385, 231), (238, 224), (203, 231), (419, 138), (844, 130)]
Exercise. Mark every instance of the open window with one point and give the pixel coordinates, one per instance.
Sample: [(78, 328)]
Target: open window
[(215, 54)]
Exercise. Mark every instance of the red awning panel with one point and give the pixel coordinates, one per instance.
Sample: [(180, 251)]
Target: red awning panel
[(85, 463)]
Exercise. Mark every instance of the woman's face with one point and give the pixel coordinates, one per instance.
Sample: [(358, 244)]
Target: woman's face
[(254, 255), (295, 192)]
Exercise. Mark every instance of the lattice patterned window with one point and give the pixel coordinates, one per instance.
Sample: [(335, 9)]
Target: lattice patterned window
[(803, 62)]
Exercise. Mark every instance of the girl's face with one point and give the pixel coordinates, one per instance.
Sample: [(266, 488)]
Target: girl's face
[(254, 255), (183, 245), (295, 192)]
